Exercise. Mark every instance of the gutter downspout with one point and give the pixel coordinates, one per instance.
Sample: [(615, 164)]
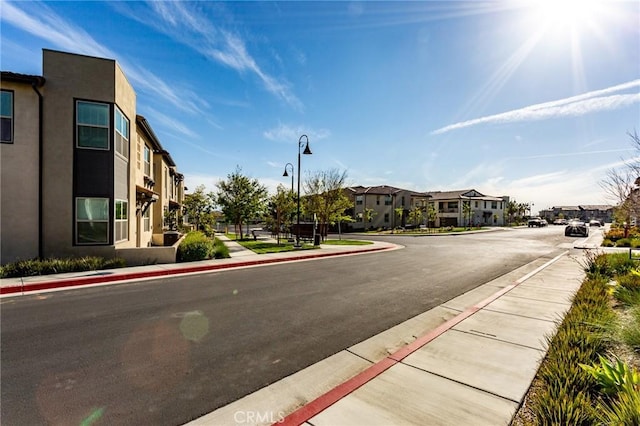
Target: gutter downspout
[(34, 85)]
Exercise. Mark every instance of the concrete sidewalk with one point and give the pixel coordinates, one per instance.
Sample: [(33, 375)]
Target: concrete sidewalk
[(468, 361)]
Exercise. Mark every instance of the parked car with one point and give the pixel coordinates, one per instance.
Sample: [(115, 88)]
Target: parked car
[(576, 228), (594, 222), (560, 222), (537, 222)]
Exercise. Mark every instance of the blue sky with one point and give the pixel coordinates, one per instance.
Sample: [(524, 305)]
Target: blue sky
[(531, 100)]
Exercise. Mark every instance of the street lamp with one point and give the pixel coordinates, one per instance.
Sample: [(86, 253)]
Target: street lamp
[(306, 151), (287, 174)]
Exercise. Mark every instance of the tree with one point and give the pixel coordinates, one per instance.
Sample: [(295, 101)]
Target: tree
[(432, 214), (621, 186), (466, 211), (241, 198), (325, 197), (282, 208), (198, 207), (399, 213), (415, 215), (367, 216)]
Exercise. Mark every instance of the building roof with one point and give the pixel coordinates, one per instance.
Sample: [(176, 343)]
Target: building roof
[(382, 190), (144, 125), (595, 207), (462, 194), (36, 80), (565, 208)]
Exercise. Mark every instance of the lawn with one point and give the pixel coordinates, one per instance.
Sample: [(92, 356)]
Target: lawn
[(263, 247)]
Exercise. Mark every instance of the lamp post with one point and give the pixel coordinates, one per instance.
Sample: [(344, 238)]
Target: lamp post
[(287, 174), (306, 151)]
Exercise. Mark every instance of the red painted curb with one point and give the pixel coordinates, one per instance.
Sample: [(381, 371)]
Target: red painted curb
[(334, 395), (77, 282)]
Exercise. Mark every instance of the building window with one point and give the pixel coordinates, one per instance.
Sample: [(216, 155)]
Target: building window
[(122, 134), (402, 201), (6, 116), (147, 161), (386, 218), (358, 200), (166, 183), (92, 125), (476, 204), (146, 220), (387, 200), (92, 220), (377, 200), (494, 205), (122, 220)]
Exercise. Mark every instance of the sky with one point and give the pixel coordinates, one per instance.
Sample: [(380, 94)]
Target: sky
[(530, 99)]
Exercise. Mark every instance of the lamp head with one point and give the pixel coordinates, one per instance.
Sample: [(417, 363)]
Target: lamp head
[(285, 172), (307, 151)]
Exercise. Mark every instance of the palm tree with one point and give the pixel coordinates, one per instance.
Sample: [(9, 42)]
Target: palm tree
[(466, 211)]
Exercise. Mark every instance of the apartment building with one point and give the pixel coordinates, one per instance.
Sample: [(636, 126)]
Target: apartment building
[(468, 207), (80, 169), (383, 206), (584, 212)]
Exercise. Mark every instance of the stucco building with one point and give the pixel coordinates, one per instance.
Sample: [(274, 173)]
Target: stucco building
[(468, 206), (81, 171)]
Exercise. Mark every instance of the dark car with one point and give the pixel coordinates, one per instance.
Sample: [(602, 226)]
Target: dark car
[(576, 228), (536, 221)]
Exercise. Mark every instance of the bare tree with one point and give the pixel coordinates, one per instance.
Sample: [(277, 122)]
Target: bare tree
[(621, 185)]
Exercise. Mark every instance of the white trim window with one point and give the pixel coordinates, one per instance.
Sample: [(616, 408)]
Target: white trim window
[(92, 220), (92, 125), (147, 161), (146, 220), (121, 220), (122, 134), (6, 116)]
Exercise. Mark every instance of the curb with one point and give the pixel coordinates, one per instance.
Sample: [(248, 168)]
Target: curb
[(78, 282)]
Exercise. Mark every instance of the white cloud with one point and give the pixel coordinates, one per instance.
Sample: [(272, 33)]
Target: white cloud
[(573, 106), (289, 133), (187, 23)]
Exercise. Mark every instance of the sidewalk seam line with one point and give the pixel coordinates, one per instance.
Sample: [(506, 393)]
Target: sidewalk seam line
[(460, 383)]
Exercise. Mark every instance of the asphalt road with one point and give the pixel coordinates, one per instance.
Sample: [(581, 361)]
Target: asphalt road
[(166, 351)]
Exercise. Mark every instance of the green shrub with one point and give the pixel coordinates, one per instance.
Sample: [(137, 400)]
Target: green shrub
[(631, 329), (624, 409), (609, 265), (35, 267), (196, 246), (608, 243), (623, 242), (613, 376), (220, 250)]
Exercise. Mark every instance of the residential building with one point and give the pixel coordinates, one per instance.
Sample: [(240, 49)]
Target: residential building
[(583, 212), (384, 207), (468, 207), (76, 176)]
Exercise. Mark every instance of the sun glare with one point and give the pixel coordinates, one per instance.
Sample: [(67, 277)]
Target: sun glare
[(559, 16)]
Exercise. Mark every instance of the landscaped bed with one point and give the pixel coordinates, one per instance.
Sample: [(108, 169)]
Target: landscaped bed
[(590, 373)]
